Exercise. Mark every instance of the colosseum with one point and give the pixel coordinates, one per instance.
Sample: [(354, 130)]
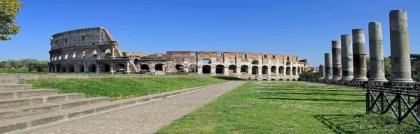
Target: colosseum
[(94, 50)]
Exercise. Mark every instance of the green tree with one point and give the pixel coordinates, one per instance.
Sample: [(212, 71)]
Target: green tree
[(8, 11)]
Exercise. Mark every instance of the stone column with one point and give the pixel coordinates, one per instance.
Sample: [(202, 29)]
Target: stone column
[(336, 57), (213, 69), (111, 68), (377, 69), (249, 69), (199, 69), (226, 70), (328, 66), (321, 72), (359, 55), (347, 57), (400, 46), (238, 70)]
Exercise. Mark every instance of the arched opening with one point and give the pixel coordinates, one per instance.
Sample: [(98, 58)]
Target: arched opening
[(193, 68), (144, 67), (206, 69), (273, 69), (107, 68), (264, 70), (92, 68), (159, 67), (137, 63), (179, 68), (121, 68), (63, 69), (71, 68), (254, 70), (244, 69), (255, 62), (281, 70), (220, 69), (232, 69), (288, 71), (82, 68), (294, 71), (57, 68)]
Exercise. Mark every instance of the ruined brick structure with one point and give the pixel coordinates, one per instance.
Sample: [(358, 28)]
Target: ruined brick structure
[(93, 50)]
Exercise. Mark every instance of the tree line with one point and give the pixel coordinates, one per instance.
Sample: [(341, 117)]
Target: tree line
[(23, 66)]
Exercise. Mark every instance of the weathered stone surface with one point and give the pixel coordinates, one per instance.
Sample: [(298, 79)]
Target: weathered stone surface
[(377, 69), (347, 57), (400, 46), (328, 66), (336, 57), (321, 72), (359, 55), (93, 50)]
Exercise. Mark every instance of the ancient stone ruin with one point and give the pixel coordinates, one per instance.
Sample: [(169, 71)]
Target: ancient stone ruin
[(94, 50)]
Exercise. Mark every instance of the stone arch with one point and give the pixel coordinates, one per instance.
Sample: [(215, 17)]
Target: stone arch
[(281, 70), (179, 68), (273, 69), (159, 67), (193, 68), (244, 69), (255, 70), (264, 70), (63, 69), (121, 68), (107, 68), (136, 62), (206, 69), (255, 62), (71, 68), (144, 67), (81, 68), (294, 71), (92, 68), (288, 71), (232, 69), (220, 69)]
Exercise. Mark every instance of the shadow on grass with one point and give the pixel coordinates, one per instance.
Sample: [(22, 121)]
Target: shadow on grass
[(308, 89), (305, 99), (362, 123), (227, 78), (285, 93)]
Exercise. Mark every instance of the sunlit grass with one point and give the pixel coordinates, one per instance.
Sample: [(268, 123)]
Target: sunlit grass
[(123, 87), (288, 107)]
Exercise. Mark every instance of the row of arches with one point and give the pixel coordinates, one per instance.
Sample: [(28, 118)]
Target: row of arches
[(90, 68), (219, 69)]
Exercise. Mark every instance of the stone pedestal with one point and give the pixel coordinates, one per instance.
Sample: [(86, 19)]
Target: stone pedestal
[(359, 55), (377, 69), (400, 46)]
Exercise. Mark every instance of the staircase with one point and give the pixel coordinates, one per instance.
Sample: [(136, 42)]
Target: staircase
[(23, 107)]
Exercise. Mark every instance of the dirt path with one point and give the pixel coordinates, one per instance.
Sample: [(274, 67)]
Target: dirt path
[(144, 118)]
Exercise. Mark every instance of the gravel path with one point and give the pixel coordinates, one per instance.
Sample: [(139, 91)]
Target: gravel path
[(140, 119)]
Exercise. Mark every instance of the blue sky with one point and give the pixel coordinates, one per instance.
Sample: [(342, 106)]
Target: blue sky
[(298, 27)]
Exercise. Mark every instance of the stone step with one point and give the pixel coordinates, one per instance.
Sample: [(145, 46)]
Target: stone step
[(11, 87), (26, 93), (10, 81), (49, 107), (20, 102), (19, 123)]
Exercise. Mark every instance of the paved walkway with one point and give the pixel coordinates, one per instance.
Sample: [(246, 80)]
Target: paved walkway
[(140, 119)]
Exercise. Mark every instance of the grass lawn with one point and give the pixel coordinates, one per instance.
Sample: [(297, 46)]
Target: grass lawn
[(123, 87), (288, 107)]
